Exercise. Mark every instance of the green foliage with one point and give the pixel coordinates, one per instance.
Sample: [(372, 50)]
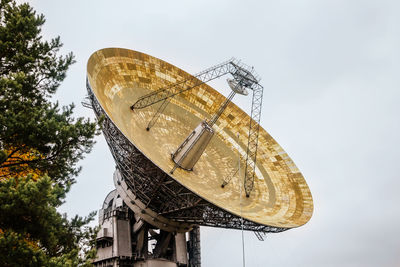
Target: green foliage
[(15, 251), (38, 137), (30, 72), (23, 51), (34, 233)]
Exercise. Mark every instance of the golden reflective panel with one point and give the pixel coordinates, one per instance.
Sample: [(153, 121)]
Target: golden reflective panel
[(280, 197)]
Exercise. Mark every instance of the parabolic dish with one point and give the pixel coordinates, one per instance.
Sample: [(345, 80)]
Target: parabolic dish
[(280, 199)]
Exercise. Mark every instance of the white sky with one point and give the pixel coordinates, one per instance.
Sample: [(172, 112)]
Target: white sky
[(330, 70)]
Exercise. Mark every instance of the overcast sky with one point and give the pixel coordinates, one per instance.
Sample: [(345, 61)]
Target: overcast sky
[(330, 70)]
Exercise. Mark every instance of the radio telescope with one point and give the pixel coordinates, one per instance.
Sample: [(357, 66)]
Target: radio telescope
[(186, 156)]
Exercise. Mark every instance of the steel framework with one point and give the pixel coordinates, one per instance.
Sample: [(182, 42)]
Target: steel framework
[(160, 192), (183, 86), (194, 247), (245, 76), (253, 139)]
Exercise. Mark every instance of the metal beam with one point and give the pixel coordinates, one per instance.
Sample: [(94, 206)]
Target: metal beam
[(185, 85), (252, 144)]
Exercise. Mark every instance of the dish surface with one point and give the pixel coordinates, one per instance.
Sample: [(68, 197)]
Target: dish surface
[(280, 197)]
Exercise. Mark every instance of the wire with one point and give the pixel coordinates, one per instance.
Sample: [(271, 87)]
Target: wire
[(241, 209)]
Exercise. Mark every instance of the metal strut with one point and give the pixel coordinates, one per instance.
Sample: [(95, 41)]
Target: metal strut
[(253, 138), (160, 110), (240, 72), (86, 102), (221, 109), (260, 235), (183, 86)]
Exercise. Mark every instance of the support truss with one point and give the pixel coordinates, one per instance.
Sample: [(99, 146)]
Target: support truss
[(183, 86), (253, 139), (240, 72), (158, 190)]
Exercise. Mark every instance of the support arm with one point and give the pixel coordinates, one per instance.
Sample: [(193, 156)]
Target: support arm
[(180, 87), (253, 138)]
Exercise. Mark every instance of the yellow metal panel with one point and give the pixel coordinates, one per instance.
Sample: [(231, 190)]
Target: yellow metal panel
[(280, 196)]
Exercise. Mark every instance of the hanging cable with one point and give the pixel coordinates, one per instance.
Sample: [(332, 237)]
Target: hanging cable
[(241, 209)]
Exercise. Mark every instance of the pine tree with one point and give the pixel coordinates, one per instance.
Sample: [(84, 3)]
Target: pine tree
[(33, 233), (30, 72), (40, 146)]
